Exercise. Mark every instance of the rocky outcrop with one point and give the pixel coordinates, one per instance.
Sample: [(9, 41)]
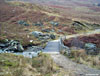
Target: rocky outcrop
[(91, 48), (38, 24), (48, 30), (54, 23), (11, 46), (22, 22), (43, 36), (84, 25)]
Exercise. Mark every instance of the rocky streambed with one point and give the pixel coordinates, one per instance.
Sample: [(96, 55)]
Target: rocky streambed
[(90, 42), (15, 47)]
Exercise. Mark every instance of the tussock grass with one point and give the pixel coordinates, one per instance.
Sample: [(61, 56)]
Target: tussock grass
[(80, 56), (17, 65)]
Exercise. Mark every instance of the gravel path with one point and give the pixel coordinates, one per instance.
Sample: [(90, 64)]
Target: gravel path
[(52, 47), (77, 69)]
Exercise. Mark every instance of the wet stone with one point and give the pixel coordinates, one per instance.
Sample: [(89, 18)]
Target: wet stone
[(91, 48), (11, 46)]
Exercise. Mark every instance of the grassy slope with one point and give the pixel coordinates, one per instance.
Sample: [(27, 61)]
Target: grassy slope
[(15, 11), (31, 13), (13, 65), (23, 11), (80, 56)]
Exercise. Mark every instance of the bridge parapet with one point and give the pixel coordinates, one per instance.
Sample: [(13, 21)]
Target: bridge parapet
[(62, 47)]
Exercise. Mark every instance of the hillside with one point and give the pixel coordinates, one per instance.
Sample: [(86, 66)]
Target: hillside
[(15, 12), (18, 11), (49, 37), (74, 9)]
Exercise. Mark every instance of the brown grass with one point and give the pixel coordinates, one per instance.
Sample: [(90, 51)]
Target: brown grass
[(81, 57), (85, 39), (15, 65)]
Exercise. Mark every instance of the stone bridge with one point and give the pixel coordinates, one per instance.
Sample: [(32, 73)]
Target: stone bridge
[(56, 46)]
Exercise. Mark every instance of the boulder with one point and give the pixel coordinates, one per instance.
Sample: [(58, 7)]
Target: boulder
[(65, 50), (25, 24), (52, 36), (78, 25), (34, 49), (91, 48), (43, 36), (46, 37), (13, 46), (38, 24), (47, 30), (60, 31), (21, 22), (1, 51), (40, 35), (20, 47), (37, 34), (2, 45), (77, 43), (54, 23)]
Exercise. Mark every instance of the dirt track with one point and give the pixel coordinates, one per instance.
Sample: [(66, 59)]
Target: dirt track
[(76, 69)]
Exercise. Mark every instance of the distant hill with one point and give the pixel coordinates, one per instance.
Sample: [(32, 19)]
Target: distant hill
[(61, 1)]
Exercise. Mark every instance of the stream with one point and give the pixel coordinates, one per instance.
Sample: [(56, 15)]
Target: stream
[(52, 46)]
